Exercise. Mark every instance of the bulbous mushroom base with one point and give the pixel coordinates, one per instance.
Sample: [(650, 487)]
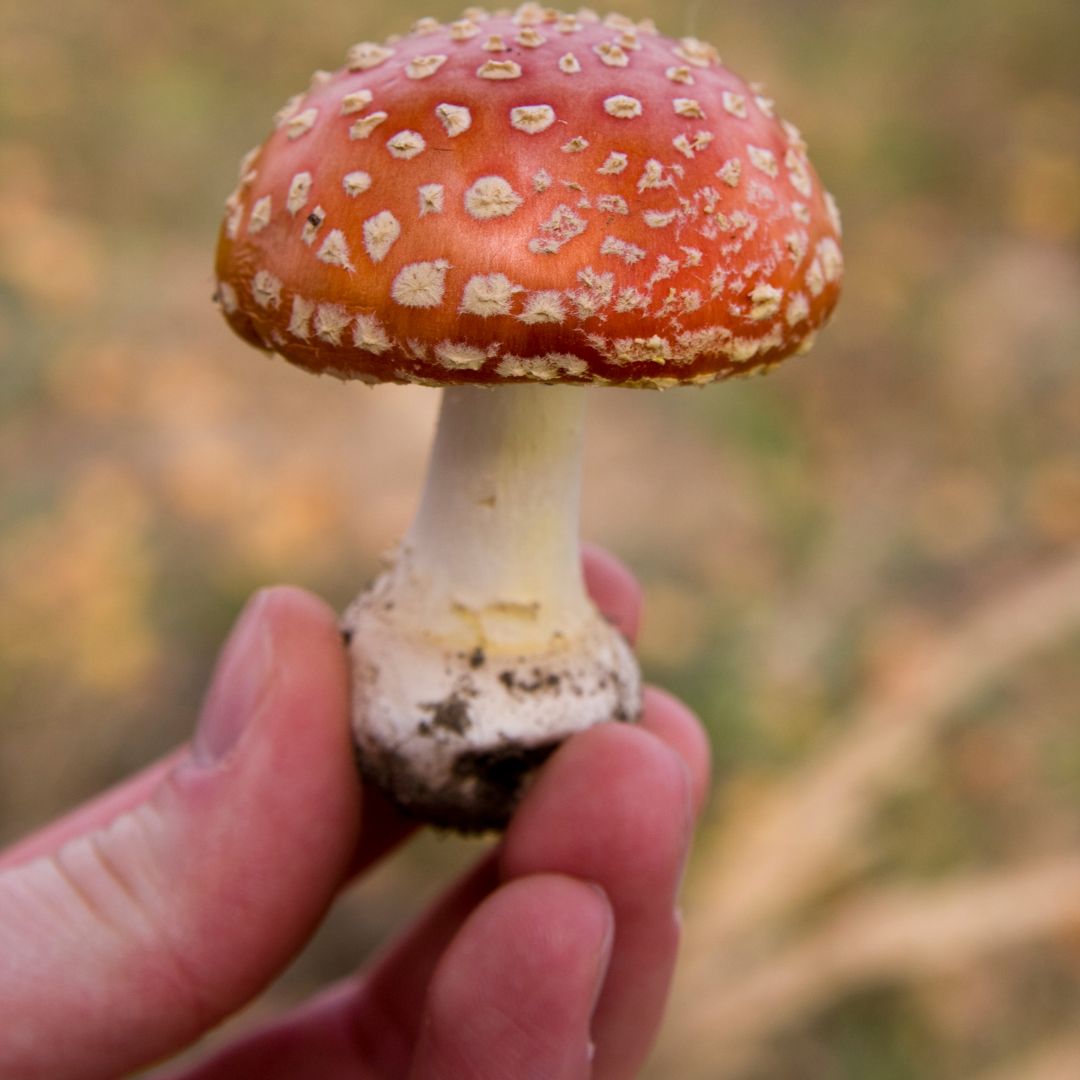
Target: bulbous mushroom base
[(453, 730)]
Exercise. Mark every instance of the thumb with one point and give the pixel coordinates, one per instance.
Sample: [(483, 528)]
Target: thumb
[(137, 933)]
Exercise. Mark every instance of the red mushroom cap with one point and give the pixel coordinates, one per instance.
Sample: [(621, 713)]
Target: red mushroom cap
[(534, 196)]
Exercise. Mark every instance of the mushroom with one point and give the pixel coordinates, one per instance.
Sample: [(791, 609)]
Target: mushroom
[(516, 207)]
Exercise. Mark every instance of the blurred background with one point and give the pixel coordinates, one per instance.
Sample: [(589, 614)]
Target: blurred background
[(863, 572)]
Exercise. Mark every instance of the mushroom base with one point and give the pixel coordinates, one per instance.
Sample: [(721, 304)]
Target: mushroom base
[(453, 730)]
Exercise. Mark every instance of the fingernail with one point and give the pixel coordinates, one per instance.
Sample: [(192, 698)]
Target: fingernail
[(240, 683), (603, 958)]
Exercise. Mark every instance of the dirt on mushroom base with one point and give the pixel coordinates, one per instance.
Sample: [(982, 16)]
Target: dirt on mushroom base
[(486, 782)]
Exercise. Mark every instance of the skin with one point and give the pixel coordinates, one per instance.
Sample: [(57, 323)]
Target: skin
[(143, 919)]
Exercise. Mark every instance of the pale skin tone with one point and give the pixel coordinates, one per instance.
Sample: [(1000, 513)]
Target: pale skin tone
[(146, 917)]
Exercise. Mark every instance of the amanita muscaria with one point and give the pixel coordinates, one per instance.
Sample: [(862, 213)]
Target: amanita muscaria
[(498, 205)]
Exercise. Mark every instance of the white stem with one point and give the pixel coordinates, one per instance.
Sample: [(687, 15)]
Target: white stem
[(496, 538), (478, 651)]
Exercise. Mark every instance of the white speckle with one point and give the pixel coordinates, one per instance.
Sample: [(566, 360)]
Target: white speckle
[(652, 350), (559, 229), (367, 55), (543, 307), (758, 193), (530, 14), (717, 281), (457, 356), (544, 368), (575, 145), (615, 21), (735, 104), (356, 183), (832, 261), (335, 250), (463, 29), (421, 284), (623, 106), (331, 321), (426, 26), (666, 267), (299, 191), (431, 198), (763, 160), (569, 64), (798, 309), (405, 145), (356, 102), (796, 244), (681, 75), (266, 289), (568, 24), (615, 164), (300, 319), (631, 300), (690, 147), (596, 293), (454, 118), (380, 233), (542, 181), (711, 197), (369, 335), (834, 214), (287, 110), (690, 300), (688, 108), (794, 136), (363, 127), (530, 38), (227, 297), (699, 53), (612, 204), (488, 294), (495, 43), (653, 177), (301, 123), (682, 144), (765, 301), (611, 54), (499, 69), (312, 225), (260, 215), (659, 219), (622, 249), (693, 256), (629, 40), (742, 350), (730, 172), (766, 105), (491, 197), (423, 67), (247, 164), (798, 174), (532, 119), (801, 212)]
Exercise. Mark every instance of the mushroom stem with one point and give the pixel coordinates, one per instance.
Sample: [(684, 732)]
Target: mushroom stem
[(497, 529), (477, 651)]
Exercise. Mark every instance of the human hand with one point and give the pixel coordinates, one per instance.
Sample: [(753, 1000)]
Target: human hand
[(144, 918)]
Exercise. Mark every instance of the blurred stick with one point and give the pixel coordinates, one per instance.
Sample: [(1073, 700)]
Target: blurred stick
[(1055, 1059), (773, 859), (889, 935), (790, 844)]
